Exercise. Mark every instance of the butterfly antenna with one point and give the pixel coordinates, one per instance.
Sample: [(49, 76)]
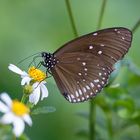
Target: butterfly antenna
[(28, 57)]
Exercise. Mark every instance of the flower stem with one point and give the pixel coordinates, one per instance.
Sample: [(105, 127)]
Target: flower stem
[(23, 99), (135, 27), (92, 110), (101, 14), (30, 105), (92, 117), (71, 18), (109, 126)]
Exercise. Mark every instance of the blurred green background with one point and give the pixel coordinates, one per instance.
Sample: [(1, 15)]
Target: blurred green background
[(31, 26)]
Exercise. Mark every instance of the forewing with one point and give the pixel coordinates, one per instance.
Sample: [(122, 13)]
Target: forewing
[(109, 44)]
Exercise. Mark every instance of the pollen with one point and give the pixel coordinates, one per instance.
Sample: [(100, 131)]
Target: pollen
[(19, 108), (36, 74)]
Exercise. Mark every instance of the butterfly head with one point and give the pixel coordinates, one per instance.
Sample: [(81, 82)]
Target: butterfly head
[(49, 60)]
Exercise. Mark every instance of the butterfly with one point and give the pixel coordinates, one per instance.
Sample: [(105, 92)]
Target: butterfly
[(81, 67)]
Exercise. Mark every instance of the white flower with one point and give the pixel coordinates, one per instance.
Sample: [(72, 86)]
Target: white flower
[(15, 113), (39, 91)]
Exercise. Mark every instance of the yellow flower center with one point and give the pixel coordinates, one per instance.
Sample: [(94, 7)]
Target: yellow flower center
[(36, 74), (19, 108)]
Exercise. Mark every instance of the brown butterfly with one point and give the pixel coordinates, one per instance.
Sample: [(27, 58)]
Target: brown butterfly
[(81, 67)]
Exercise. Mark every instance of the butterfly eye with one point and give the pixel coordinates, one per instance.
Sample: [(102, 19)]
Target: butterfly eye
[(81, 67)]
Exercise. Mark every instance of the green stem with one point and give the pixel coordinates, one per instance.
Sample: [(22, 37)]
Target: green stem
[(23, 99), (109, 125), (135, 27), (71, 18), (30, 105), (92, 117), (101, 14), (92, 113)]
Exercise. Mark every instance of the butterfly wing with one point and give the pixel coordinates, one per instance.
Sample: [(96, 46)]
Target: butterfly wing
[(111, 43), (96, 53), (80, 76)]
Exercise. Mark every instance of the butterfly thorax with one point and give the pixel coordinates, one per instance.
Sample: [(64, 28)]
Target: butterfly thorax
[(49, 60)]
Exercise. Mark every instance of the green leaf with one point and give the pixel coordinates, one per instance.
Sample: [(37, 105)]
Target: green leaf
[(102, 103), (115, 93), (131, 66), (82, 133), (43, 110), (125, 107), (83, 114), (6, 132)]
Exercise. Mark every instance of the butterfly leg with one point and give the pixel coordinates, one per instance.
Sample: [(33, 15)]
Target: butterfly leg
[(39, 64), (33, 62), (48, 71)]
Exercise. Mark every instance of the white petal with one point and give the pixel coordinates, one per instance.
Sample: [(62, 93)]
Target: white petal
[(36, 84), (34, 97), (18, 126), (44, 91), (27, 119), (5, 97), (3, 107), (25, 80), (7, 118), (24, 74), (15, 69)]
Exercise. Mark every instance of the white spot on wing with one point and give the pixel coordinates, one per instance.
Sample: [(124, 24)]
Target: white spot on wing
[(69, 98), (102, 45), (83, 98), (91, 93), (85, 69), (84, 89), (77, 94), (90, 47), (92, 85), (87, 87), (96, 90), (99, 52), (79, 73), (72, 96), (98, 86), (100, 73), (80, 92), (74, 100), (87, 96), (103, 82), (95, 34), (78, 100), (96, 81), (84, 63), (84, 80)]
